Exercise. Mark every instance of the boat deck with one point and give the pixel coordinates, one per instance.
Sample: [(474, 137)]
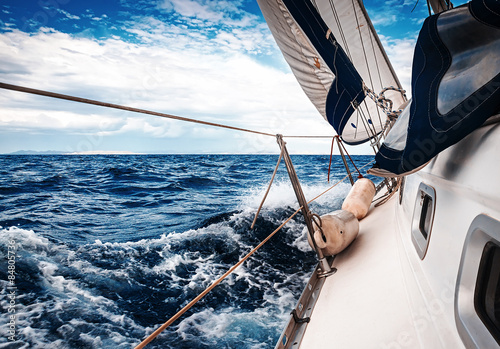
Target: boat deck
[(374, 300)]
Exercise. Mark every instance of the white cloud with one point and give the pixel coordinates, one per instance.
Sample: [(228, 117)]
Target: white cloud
[(384, 19), (182, 76), (400, 52), (191, 8), (227, 13)]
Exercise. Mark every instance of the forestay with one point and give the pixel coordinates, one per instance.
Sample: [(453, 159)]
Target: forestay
[(336, 56)]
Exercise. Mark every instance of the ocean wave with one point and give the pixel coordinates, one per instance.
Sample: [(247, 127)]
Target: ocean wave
[(97, 295), (282, 195), (109, 248)]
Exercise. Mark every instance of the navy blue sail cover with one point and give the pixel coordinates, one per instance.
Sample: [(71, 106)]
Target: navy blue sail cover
[(346, 90), (455, 86)]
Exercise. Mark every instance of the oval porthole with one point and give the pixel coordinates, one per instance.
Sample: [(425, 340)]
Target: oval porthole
[(423, 218), (477, 301)]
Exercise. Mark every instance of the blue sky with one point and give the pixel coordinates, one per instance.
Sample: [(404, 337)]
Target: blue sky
[(210, 60)]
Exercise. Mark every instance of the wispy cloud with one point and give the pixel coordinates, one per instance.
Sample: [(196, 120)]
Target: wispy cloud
[(215, 12), (67, 14), (384, 19), (194, 9)]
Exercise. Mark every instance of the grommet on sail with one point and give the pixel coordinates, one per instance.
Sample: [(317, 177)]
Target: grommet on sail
[(336, 56)]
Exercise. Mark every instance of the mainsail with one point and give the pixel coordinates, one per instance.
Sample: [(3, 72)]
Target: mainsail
[(337, 57)]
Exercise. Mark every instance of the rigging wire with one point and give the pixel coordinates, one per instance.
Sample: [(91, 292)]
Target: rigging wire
[(429, 8), (346, 45), (138, 110), (414, 7), (366, 59), (376, 61), (143, 111), (121, 107), (341, 30), (268, 188)]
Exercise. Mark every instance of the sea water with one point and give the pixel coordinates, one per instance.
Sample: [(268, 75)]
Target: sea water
[(98, 251)]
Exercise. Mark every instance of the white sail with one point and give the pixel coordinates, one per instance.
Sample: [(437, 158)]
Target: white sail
[(346, 26)]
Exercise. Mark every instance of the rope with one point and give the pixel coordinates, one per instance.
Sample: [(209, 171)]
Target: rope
[(346, 166), (308, 136), (331, 156), (383, 199), (341, 30), (385, 103), (326, 191), (316, 219), (232, 269), (352, 161), (340, 181), (144, 111)]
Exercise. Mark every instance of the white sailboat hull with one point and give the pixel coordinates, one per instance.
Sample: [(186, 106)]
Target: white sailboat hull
[(384, 295)]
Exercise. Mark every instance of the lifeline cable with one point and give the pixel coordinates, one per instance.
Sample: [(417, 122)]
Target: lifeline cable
[(121, 107), (135, 110), (207, 290), (144, 111), (267, 191), (219, 280)]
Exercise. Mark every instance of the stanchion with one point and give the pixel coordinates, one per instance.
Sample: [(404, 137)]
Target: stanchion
[(326, 270)]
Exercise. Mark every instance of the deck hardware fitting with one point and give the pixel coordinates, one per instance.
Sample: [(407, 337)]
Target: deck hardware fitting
[(299, 320)]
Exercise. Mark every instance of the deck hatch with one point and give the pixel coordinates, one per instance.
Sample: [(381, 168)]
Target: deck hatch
[(423, 217)]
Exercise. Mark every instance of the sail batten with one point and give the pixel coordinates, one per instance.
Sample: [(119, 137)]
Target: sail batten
[(336, 55)]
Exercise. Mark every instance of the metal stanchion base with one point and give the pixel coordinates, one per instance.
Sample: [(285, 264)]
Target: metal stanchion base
[(325, 274), (325, 269)]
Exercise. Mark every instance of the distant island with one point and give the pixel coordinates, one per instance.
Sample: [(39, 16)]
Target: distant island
[(34, 152), (55, 152), (104, 152)]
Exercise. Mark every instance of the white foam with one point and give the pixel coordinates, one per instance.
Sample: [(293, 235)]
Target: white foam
[(27, 238), (94, 342), (64, 294), (282, 195), (210, 326)]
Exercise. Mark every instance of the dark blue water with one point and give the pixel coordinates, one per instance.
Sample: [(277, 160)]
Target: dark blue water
[(104, 249)]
